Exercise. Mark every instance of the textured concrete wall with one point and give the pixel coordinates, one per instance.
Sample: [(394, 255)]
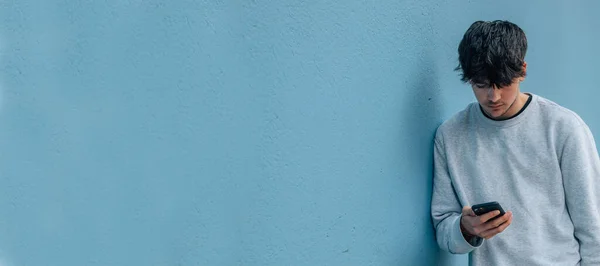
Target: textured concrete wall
[(246, 133)]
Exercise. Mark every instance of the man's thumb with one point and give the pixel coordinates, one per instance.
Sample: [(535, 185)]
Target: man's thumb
[(468, 211)]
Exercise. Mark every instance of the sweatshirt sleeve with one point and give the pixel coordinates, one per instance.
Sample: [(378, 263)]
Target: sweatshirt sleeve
[(446, 209), (580, 167)]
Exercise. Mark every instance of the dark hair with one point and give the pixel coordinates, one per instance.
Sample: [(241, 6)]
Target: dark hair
[(492, 52)]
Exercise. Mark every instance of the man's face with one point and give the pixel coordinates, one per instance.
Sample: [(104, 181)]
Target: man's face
[(498, 102)]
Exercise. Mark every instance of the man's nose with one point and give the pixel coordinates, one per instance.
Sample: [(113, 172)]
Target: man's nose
[(493, 93)]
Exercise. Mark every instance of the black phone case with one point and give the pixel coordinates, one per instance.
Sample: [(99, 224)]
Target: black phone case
[(484, 208)]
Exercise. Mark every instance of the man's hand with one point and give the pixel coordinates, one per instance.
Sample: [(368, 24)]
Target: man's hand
[(481, 226)]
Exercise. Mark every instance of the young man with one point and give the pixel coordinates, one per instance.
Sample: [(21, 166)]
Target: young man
[(534, 157)]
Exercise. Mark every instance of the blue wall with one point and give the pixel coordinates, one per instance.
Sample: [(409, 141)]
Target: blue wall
[(249, 133)]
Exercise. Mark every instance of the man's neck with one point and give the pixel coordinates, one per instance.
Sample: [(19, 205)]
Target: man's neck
[(515, 109)]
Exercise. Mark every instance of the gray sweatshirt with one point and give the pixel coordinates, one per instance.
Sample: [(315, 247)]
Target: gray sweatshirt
[(542, 165)]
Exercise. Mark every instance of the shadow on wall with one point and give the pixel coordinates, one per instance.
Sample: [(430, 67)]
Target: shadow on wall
[(421, 115)]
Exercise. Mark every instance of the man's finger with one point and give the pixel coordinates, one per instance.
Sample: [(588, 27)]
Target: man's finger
[(494, 231), (485, 217), (496, 222)]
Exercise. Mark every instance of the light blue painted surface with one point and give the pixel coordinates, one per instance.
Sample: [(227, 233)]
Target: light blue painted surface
[(247, 133)]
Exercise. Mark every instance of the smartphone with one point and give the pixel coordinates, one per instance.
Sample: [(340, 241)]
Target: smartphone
[(484, 208)]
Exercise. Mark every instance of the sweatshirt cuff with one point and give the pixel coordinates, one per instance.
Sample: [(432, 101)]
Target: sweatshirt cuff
[(459, 244)]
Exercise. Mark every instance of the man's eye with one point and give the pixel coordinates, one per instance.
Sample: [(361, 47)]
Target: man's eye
[(480, 86)]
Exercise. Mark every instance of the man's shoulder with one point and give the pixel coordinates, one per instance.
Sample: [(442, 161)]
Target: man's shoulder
[(557, 115), (455, 123)]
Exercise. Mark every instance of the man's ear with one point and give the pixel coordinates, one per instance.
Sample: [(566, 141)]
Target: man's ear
[(524, 70)]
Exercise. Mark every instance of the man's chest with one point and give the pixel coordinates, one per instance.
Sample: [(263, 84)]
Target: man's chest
[(514, 165)]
